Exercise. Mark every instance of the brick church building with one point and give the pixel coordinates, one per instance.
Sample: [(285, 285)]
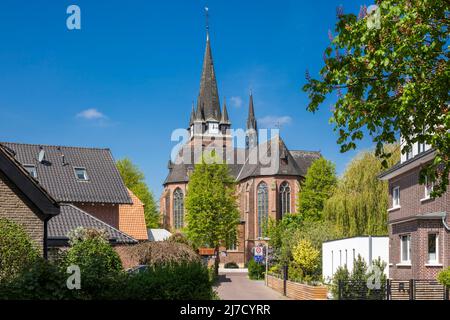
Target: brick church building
[(268, 174)]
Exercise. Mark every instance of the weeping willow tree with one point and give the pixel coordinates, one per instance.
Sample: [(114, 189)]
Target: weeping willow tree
[(360, 202)]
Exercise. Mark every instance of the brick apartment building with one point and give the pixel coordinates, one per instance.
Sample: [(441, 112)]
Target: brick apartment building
[(419, 230), (263, 191)]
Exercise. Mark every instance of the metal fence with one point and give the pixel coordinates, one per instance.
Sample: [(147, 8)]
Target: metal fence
[(393, 290)]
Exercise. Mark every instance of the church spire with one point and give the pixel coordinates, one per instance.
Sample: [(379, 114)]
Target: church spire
[(208, 99), (251, 120), (225, 119), (192, 118)]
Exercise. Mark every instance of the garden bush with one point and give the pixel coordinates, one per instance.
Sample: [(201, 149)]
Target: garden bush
[(154, 253), (444, 277), (256, 270), (99, 263), (41, 280), (16, 249), (183, 281)]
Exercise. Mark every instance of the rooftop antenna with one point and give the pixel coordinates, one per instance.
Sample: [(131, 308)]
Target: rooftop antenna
[(41, 156)]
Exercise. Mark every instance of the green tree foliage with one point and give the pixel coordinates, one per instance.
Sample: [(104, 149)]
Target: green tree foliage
[(360, 202), (444, 277), (211, 205), (16, 249), (391, 76), (306, 257), (134, 179), (99, 263), (256, 270), (318, 186)]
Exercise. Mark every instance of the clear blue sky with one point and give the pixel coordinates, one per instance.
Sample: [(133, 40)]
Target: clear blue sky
[(138, 64)]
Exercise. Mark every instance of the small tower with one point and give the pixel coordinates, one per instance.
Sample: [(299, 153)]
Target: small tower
[(251, 139)]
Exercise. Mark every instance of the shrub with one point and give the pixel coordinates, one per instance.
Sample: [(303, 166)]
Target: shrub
[(306, 257), (99, 264), (153, 253), (231, 265), (16, 249), (41, 280), (179, 237), (444, 277), (256, 270), (341, 274), (185, 281)]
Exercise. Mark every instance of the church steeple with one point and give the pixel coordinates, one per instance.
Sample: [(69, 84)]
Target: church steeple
[(208, 99), (251, 120), (252, 126)]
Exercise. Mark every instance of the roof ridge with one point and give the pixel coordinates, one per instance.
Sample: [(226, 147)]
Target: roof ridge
[(102, 222), (55, 146)]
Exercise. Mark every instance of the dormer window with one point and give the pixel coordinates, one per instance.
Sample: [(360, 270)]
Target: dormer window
[(31, 170), (81, 174)]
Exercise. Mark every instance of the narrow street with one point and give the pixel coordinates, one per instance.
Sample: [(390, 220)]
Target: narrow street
[(237, 286)]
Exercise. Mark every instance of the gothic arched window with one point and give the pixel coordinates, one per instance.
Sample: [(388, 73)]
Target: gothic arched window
[(263, 207), (178, 209), (285, 198)]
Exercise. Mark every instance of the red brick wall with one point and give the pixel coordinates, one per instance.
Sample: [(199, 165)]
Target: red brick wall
[(106, 212), (411, 193)]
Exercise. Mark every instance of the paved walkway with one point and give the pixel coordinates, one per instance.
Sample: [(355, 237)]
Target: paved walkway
[(237, 286)]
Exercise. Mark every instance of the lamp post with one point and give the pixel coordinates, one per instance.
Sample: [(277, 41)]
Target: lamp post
[(267, 259)]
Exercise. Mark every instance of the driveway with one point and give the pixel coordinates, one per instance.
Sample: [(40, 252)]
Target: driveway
[(237, 286)]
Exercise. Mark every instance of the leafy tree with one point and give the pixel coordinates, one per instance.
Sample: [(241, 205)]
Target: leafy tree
[(99, 263), (318, 186), (360, 202), (17, 251), (211, 206), (306, 257), (134, 179), (391, 73)]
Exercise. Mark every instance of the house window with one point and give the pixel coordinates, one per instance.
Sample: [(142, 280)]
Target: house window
[(232, 246), (285, 198), (420, 147), (396, 197), (263, 207), (81, 174), (405, 248), (31, 170), (428, 188), (432, 248)]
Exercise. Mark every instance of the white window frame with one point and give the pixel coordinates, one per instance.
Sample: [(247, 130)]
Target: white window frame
[(34, 170), (435, 261), (396, 200), (408, 242), (427, 190), (86, 177)]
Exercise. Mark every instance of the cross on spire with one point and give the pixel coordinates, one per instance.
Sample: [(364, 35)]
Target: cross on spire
[(207, 22)]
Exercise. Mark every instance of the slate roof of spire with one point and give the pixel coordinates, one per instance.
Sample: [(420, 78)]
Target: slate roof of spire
[(56, 173), (208, 103), (251, 120), (225, 118)]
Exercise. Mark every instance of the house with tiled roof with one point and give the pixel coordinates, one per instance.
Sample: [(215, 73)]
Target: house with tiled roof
[(88, 186), (265, 188), (24, 201)]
